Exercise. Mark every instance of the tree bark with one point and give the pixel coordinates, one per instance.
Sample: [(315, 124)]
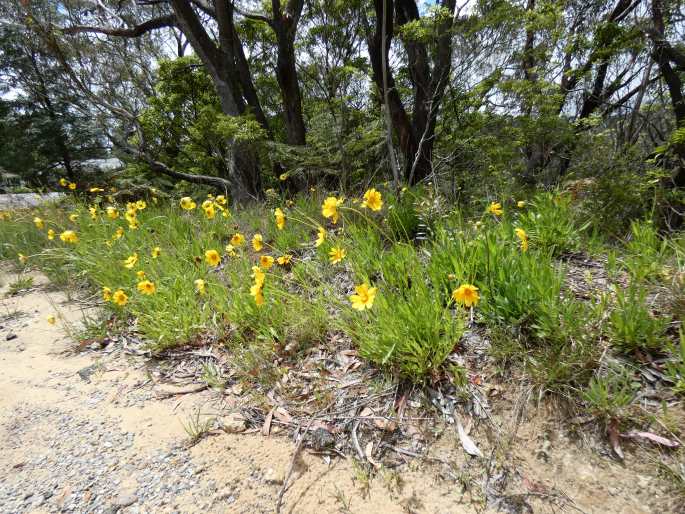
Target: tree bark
[(284, 25), (416, 135)]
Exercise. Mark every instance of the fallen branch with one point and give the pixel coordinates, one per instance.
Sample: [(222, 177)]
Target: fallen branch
[(167, 391)]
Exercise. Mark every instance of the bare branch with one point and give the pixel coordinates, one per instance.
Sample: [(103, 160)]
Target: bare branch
[(136, 31)]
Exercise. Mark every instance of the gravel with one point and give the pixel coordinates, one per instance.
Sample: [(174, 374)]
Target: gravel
[(77, 464)]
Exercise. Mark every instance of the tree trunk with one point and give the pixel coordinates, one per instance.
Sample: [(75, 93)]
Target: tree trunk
[(242, 161), (286, 74)]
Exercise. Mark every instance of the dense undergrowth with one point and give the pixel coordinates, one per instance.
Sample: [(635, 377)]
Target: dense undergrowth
[(402, 276)]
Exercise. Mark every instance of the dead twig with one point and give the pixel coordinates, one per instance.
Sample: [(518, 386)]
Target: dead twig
[(169, 391), (281, 493), (355, 440)]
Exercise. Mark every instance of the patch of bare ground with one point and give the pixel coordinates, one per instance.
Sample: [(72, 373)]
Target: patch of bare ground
[(112, 429)]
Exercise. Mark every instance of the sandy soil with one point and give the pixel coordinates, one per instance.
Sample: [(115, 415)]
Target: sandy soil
[(88, 432)]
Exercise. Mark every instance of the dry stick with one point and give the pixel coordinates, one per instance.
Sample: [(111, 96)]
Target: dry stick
[(292, 464), (355, 440)]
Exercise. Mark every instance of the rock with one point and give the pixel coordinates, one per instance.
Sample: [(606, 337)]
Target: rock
[(272, 477), (322, 439), (124, 500), (11, 336), (87, 372), (233, 423)]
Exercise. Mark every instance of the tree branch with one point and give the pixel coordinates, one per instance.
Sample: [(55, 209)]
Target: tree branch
[(136, 31)]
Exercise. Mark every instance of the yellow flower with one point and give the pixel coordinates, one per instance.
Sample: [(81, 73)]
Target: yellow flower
[(212, 257), (521, 234), (257, 243), (238, 239), (337, 254), (96, 190), (146, 287), (321, 236), (156, 252), (133, 224), (256, 291), (520, 204), (372, 200), (266, 261), (230, 250), (93, 212), (284, 260), (187, 203), (120, 298), (280, 218), (131, 261), (364, 297), (258, 275), (140, 274), (63, 182), (51, 319), (73, 217), (200, 286), (69, 236), (106, 294), (118, 234), (72, 186), (495, 208), (140, 205), (329, 209), (51, 234), (210, 212), (38, 222), (466, 294), (22, 258), (221, 200), (207, 203), (112, 213), (283, 177)]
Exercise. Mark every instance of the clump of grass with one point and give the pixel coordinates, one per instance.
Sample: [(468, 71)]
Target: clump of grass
[(411, 328), (646, 252), (631, 324), (21, 284), (675, 369), (197, 426), (609, 396), (552, 223)]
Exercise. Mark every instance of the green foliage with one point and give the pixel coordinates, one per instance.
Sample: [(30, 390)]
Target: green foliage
[(184, 125), (631, 324), (552, 224), (410, 329), (608, 396), (675, 368), (646, 252), (403, 219)]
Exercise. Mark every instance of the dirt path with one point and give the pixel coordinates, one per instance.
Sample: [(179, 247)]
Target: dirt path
[(87, 433)]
